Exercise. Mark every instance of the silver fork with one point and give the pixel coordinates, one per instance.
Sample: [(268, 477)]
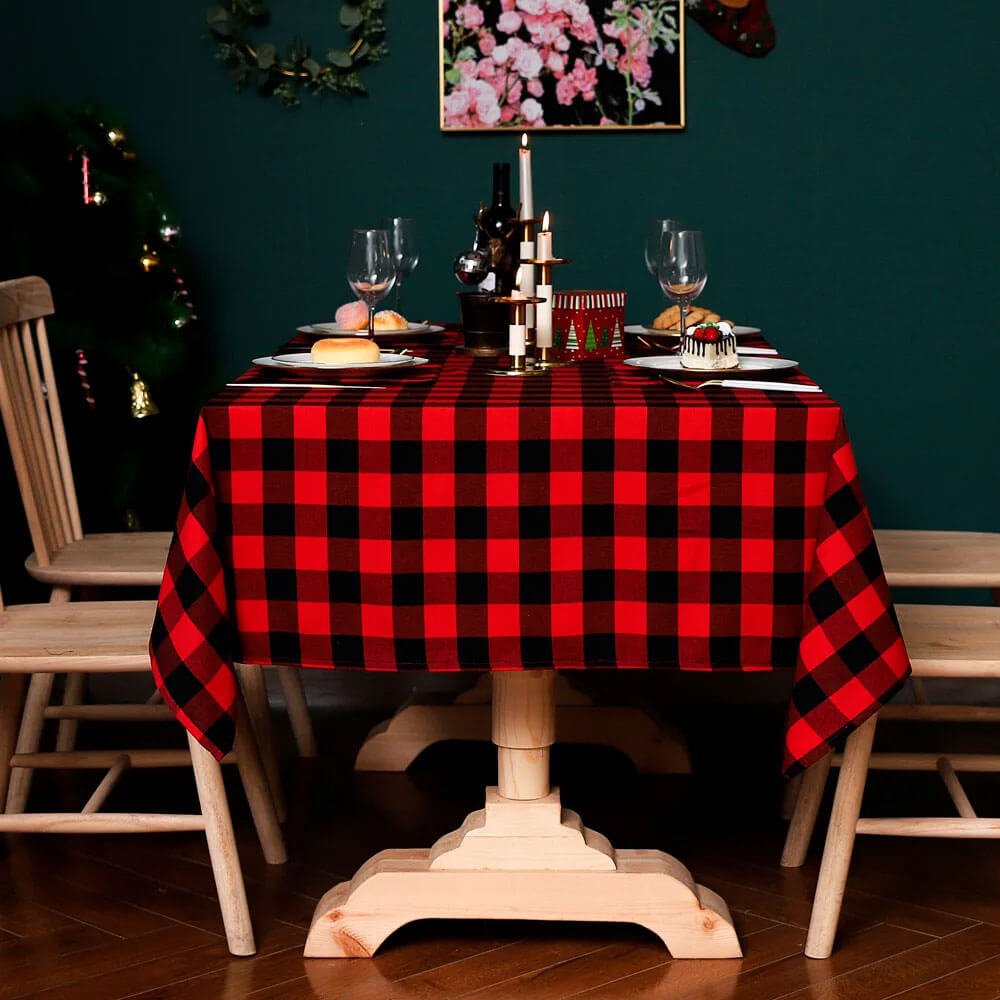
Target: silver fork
[(687, 385)]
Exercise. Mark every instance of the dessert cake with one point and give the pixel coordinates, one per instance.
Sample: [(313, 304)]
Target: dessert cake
[(709, 346)]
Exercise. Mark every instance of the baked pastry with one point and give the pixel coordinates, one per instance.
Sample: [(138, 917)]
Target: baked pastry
[(344, 351), (670, 319), (388, 319), (352, 316), (709, 346)]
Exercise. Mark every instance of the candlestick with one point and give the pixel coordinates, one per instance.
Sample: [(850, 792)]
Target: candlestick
[(518, 303), (524, 175), (544, 249), (543, 313), (527, 283)]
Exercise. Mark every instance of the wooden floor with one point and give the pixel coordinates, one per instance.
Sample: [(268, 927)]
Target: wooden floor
[(111, 917)]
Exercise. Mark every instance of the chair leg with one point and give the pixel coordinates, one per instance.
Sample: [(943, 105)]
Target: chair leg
[(29, 738), (76, 685), (258, 790), (255, 696), (292, 688), (11, 695), (222, 850), (840, 841), (800, 829)]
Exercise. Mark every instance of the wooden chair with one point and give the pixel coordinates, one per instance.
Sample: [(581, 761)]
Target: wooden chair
[(63, 556), (942, 559), (943, 641), (113, 637)]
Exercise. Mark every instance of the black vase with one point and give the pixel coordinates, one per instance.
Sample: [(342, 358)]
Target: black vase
[(485, 324)]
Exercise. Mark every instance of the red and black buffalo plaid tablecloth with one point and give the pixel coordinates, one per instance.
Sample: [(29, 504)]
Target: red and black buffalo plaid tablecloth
[(593, 518)]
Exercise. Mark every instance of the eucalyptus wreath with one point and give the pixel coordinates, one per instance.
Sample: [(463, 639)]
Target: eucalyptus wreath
[(284, 75)]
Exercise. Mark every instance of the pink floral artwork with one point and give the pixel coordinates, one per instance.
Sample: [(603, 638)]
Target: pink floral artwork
[(532, 64)]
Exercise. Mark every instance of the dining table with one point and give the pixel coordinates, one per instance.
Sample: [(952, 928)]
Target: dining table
[(437, 518)]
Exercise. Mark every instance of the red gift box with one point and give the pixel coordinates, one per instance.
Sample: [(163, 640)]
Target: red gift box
[(588, 324)]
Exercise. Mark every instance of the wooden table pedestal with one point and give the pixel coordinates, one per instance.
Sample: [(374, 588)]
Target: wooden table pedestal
[(522, 857)]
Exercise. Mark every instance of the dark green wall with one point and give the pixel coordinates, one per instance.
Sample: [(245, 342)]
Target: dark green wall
[(847, 186)]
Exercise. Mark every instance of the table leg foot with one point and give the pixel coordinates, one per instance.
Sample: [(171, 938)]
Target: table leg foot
[(529, 860)]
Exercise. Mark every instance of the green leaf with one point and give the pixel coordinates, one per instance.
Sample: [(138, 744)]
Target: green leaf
[(454, 76), (339, 58), (350, 16), (266, 55), (219, 21), (311, 67)]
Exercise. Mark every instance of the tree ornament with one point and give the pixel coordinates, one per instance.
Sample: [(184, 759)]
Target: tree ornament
[(169, 231), (81, 373), (98, 198), (149, 258), (116, 137), (283, 76), (141, 402), (743, 25)]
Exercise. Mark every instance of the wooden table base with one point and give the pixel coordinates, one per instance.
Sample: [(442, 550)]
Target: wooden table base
[(653, 747), (522, 857)]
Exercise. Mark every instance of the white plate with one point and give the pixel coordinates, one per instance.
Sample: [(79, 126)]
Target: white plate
[(638, 330), (748, 365), (332, 330), (302, 361)]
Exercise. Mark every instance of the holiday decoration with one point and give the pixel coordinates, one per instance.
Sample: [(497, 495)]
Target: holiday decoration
[(141, 404), (282, 76), (599, 315), (744, 25), (82, 211)]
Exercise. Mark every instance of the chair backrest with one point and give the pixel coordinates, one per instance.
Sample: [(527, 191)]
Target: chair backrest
[(32, 418)]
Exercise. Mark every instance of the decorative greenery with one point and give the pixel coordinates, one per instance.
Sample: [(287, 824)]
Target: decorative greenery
[(85, 212), (273, 75)]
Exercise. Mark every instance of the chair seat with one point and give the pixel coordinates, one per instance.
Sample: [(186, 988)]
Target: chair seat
[(103, 636), (121, 559), (947, 641), (940, 558)]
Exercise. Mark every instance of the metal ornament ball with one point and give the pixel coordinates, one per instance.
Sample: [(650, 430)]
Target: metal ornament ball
[(472, 267)]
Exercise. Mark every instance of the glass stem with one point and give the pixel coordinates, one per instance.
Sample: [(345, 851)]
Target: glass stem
[(399, 295), (371, 321), (683, 308)]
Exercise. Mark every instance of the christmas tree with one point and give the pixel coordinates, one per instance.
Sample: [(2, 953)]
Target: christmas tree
[(591, 342), (83, 212)]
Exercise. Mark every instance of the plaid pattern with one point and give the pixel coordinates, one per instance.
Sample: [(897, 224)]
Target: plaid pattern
[(596, 518)]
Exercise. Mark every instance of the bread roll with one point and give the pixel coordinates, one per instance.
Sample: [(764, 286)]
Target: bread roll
[(389, 319), (344, 351)]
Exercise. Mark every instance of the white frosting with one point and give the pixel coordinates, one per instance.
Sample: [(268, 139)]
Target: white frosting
[(706, 355)]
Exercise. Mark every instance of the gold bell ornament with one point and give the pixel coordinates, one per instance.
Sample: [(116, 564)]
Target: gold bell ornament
[(141, 402)]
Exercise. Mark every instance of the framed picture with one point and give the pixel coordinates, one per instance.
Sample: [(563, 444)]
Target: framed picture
[(561, 64)]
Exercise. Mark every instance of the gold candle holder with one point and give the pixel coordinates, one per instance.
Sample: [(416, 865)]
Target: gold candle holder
[(518, 311), (544, 360), (528, 247)]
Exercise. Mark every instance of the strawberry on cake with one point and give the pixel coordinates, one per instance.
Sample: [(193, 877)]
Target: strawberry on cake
[(709, 346)]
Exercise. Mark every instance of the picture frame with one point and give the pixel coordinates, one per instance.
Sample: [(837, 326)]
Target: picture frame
[(543, 65)]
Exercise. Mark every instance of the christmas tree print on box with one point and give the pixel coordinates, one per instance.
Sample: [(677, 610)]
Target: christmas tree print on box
[(588, 324)]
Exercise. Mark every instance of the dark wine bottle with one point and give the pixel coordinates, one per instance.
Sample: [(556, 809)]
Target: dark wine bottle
[(497, 235)]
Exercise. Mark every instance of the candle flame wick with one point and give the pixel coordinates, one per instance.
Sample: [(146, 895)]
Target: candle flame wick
[(517, 278), (524, 140), (545, 221)]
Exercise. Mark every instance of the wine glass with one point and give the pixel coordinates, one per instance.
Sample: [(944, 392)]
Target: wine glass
[(683, 269), (655, 233), (403, 246), (371, 271)]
